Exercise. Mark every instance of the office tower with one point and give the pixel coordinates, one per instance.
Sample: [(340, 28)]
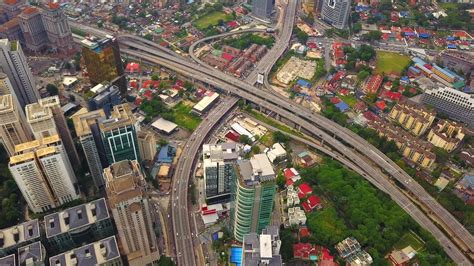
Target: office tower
[(336, 12), (263, 249), (14, 64), (13, 129), (252, 196), (103, 62), (146, 144), (33, 254), (33, 29), (44, 174), (46, 119), (77, 225), (219, 170), (18, 235), (263, 8), (87, 130), (104, 252), (57, 28), (455, 104), (106, 98), (128, 200), (119, 135)]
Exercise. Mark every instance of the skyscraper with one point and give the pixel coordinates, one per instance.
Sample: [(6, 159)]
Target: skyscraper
[(263, 8), (103, 62), (46, 119), (336, 12), (252, 196), (57, 28), (146, 144), (219, 170), (128, 200), (13, 63), (13, 129), (32, 26), (12, 8), (43, 173), (87, 131), (119, 135)]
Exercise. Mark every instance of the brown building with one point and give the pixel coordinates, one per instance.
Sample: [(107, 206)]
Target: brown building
[(11, 30), (57, 28), (457, 60), (446, 135), (32, 26), (103, 62), (128, 201), (415, 150), (415, 119), (12, 8)]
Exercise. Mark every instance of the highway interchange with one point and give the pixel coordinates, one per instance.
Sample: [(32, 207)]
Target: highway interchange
[(342, 140)]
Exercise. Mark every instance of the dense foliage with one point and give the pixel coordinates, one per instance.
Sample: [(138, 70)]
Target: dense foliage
[(245, 40), (363, 52), (10, 208), (362, 211)]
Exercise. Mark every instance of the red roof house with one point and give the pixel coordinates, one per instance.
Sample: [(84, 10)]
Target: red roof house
[(133, 67), (373, 84), (227, 57), (305, 189), (305, 206), (304, 232), (232, 135), (314, 202), (381, 105), (303, 251), (148, 95)]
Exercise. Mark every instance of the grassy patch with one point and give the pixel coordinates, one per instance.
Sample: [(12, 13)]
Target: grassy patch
[(267, 139), (410, 239), (349, 99), (274, 123), (184, 118), (391, 62), (211, 19), (78, 32)]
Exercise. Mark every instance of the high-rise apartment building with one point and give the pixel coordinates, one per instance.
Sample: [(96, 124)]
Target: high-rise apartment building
[(31, 23), (263, 249), (46, 119), (263, 8), (87, 130), (14, 64), (57, 28), (252, 196), (336, 12), (44, 174), (119, 135), (103, 62), (129, 202), (13, 129), (219, 170), (456, 104)]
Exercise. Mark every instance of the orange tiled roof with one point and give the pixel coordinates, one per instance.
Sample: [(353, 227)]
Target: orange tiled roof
[(30, 10), (10, 2)]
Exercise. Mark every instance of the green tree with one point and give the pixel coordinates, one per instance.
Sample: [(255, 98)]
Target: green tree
[(155, 77), (52, 89), (357, 27), (165, 261), (245, 139), (363, 75), (279, 137), (281, 180)]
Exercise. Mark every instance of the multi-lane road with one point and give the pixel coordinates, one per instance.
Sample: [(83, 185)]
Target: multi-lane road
[(180, 211), (341, 139), (346, 143)]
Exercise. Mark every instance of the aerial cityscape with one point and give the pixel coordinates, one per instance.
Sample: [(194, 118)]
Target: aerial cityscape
[(236, 132)]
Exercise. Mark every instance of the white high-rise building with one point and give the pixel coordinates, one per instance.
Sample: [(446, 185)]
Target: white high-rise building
[(13, 129), (44, 174), (46, 119), (14, 64), (128, 200), (336, 12)]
